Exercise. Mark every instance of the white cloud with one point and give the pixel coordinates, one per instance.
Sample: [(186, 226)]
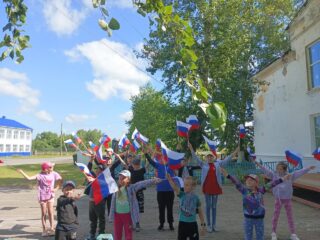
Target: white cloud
[(78, 118), (127, 116), (62, 18), (44, 116), (16, 85), (120, 3), (115, 68)]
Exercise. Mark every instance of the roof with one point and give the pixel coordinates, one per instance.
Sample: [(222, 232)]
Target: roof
[(306, 2), (5, 122)]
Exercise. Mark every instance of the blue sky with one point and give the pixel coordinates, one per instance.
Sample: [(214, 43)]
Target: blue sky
[(74, 73)]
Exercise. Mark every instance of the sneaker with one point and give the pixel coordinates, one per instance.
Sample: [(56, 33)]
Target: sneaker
[(137, 227), (294, 237), (91, 237), (160, 228), (51, 232), (274, 236), (214, 229), (171, 227), (209, 229)]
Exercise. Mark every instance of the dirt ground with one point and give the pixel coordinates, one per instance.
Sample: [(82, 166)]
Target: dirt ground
[(20, 217)]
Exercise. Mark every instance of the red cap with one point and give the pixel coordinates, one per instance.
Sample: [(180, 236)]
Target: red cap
[(46, 165)]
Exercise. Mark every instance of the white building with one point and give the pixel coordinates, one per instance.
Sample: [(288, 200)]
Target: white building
[(287, 109), (15, 138)]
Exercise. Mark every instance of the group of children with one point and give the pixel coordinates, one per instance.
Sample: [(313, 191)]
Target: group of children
[(125, 206)]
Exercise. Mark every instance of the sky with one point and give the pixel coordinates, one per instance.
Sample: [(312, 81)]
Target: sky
[(74, 74)]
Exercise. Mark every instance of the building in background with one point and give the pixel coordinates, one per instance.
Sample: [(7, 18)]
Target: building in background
[(287, 109), (15, 138)]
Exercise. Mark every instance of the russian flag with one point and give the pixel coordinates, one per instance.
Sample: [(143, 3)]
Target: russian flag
[(84, 169), (99, 155), (105, 139), (93, 146), (137, 135), (193, 121), (134, 146), (293, 158), (178, 181), (212, 145), (242, 131), (124, 141), (183, 129), (172, 158), (103, 186), (316, 153), (158, 145), (71, 143), (251, 154), (76, 138)]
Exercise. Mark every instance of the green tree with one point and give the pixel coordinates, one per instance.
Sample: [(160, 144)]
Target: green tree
[(47, 141)]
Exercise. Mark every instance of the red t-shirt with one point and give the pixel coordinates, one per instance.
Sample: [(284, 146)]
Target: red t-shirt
[(211, 185)]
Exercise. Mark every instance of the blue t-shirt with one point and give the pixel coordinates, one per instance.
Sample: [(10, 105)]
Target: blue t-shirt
[(189, 202)]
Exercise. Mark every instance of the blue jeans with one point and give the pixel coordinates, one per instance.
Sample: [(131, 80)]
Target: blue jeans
[(249, 224), (211, 209)]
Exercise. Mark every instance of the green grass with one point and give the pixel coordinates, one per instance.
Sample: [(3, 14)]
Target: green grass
[(9, 177)]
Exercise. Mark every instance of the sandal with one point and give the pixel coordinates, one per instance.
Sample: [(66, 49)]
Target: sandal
[(44, 234), (51, 232)]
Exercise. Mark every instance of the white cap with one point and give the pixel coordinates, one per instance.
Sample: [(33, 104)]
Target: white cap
[(109, 150), (125, 173)]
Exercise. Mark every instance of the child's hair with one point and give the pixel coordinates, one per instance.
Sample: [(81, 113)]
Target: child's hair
[(284, 165), (194, 182)]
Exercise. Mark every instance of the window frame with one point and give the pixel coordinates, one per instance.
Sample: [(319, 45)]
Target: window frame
[(314, 136), (308, 63)]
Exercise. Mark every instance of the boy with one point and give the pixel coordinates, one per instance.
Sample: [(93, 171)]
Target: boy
[(67, 213)]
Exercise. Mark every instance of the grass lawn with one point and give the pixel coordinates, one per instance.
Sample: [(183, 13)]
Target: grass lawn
[(9, 177)]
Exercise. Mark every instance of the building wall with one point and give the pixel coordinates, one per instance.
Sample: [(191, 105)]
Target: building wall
[(19, 141), (284, 110)]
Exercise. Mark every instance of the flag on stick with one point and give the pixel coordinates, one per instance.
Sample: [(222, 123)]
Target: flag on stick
[(212, 145), (293, 158), (193, 121), (316, 153), (183, 129)]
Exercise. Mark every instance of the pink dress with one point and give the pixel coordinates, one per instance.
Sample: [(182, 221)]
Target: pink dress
[(46, 185)]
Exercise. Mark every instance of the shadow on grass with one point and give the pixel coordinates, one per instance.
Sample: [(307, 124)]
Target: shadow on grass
[(17, 231)]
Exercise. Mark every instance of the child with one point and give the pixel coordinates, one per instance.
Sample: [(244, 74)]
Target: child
[(211, 183), (67, 213), (165, 194), (124, 205), (186, 170), (46, 188), (189, 204), (137, 175), (283, 195), (253, 206)]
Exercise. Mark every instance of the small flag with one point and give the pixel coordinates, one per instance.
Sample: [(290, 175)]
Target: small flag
[(178, 181), (293, 158), (171, 157), (104, 140), (103, 186), (183, 129), (251, 154), (193, 121), (242, 131), (138, 136), (212, 145), (316, 153), (134, 146), (124, 141), (99, 155), (158, 145), (71, 143), (93, 146), (76, 138), (84, 169)]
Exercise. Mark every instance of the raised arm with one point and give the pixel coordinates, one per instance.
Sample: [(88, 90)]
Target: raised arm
[(34, 177), (121, 161), (146, 183), (299, 173), (273, 183), (266, 171), (194, 156), (175, 188), (229, 158), (234, 180)]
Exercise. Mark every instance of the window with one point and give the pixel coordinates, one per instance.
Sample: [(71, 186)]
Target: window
[(317, 130), (9, 134), (15, 148), (313, 53), (1, 148), (28, 135), (15, 135), (8, 147), (27, 148), (1, 133), (21, 148), (22, 134)]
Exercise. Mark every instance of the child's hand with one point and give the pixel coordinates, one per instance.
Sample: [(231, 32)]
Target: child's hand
[(202, 231), (287, 177), (190, 146), (77, 197), (312, 167), (157, 180), (19, 170), (90, 179), (224, 172)]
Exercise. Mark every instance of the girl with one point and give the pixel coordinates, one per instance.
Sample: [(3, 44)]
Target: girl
[(283, 195), (46, 189), (189, 204), (253, 206), (124, 205), (211, 183)]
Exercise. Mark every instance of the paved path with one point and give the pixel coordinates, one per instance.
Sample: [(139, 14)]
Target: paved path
[(20, 217), (31, 160)]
